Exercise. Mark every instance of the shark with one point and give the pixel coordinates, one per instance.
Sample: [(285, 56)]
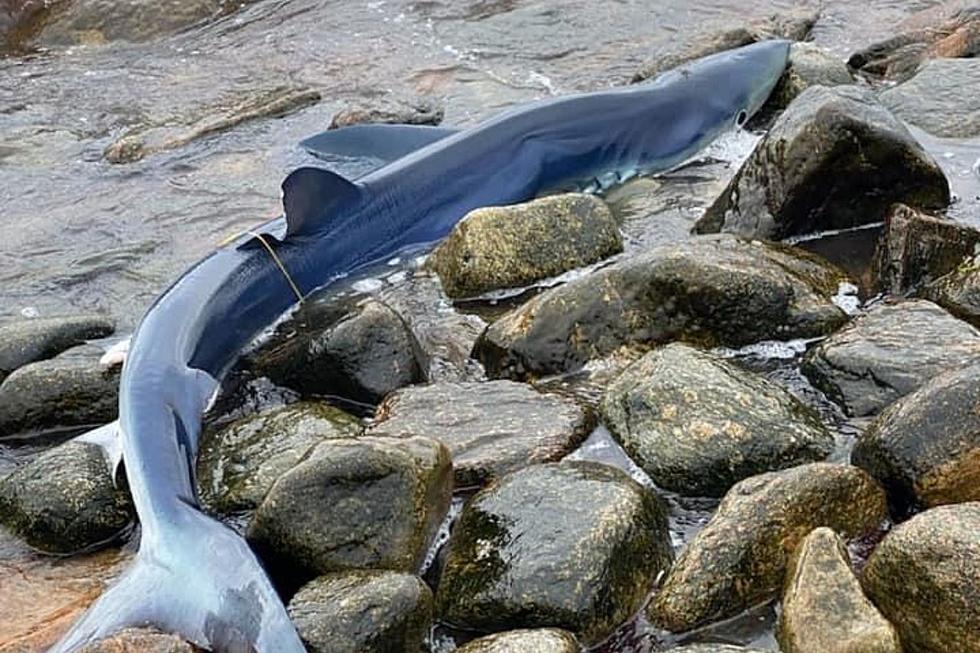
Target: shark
[(194, 576)]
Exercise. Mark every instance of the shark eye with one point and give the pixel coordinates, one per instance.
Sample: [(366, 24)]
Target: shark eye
[(740, 118)]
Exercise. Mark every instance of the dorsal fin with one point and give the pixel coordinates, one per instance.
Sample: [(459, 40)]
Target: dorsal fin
[(310, 196), (385, 142)]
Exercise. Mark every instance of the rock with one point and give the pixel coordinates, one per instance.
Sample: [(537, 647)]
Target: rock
[(363, 612), (59, 393), (572, 545), (64, 500), (958, 291), (739, 558), (938, 98), (237, 465), (419, 111), (808, 66), (27, 341), (140, 640), (358, 349), (490, 428), (916, 248), (18, 21), (503, 247), (715, 290), (900, 56), (925, 579), (824, 609), (889, 352), (543, 640), (368, 502), (924, 449), (835, 159), (698, 424), (714, 648)]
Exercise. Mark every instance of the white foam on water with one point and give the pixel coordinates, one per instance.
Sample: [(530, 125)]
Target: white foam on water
[(777, 349), (368, 285), (30, 312), (442, 535), (847, 298)]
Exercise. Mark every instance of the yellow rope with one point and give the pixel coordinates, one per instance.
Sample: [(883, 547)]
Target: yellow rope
[(272, 253)]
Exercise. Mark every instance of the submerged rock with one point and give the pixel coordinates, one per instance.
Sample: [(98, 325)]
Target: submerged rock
[(925, 448), (925, 578), (368, 502), (824, 609), (543, 640), (489, 428), (939, 99), (715, 290), (238, 464), (572, 545), (363, 612), (141, 640), (698, 424), (64, 500), (739, 558), (418, 111), (836, 158), (888, 353), (28, 341), (502, 247)]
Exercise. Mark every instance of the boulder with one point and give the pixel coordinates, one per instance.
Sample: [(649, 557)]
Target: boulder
[(739, 559), (575, 545), (542, 640), (489, 428), (836, 158), (361, 503), (64, 500), (698, 424), (414, 111), (808, 66), (889, 352), (714, 648), (925, 579), (824, 609), (938, 98), (714, 290), (924, 449), (238, 464), (140, 640), (514, 246), (958, 291), (363, 612), (28, 341)]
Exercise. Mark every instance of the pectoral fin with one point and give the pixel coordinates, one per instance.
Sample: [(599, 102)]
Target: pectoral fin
[(385, 142)]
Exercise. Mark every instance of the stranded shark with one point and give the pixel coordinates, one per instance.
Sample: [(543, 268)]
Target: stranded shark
[(194, 576)]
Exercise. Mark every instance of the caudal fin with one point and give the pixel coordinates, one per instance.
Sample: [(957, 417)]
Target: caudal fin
[(204, 584)]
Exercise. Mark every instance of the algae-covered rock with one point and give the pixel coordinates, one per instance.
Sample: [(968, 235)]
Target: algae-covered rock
[(489, 428), (889, 352), (925, 579), (836, 158), (925, 448), (64, 500), (363, 612), (140, 640), (239, 463), (739, 558), (542, 640), (513, 246), (716, 290), (27, 341), (958, 291), (698, 424), (939, 99), (369, 502), (824, 609), (572, 545)]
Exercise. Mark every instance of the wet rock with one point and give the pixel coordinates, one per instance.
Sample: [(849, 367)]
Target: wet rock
[(836, 158), (419, 111), (141, 640), (368, 502), (27, 341), (543, 640), (958, 291), (715, 290), (916, 248), (824, 609), (925, 448), (714, 648), (739, 558), (363, 612), (238, 464), (938, 98), (925, 578), (571, 545), (698, 424), (19, 19), (60, 393), (489, 428), (889, 352), (808, 66), (502, 247), (64, 500), (358, 349)]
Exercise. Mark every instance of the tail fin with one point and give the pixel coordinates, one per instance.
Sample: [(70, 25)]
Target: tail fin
[(207, 586)]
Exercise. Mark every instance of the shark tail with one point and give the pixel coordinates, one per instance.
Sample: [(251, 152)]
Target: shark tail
[(199, 580)]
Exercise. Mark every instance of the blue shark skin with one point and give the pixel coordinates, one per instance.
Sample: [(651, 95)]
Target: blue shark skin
[(192, 575)]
